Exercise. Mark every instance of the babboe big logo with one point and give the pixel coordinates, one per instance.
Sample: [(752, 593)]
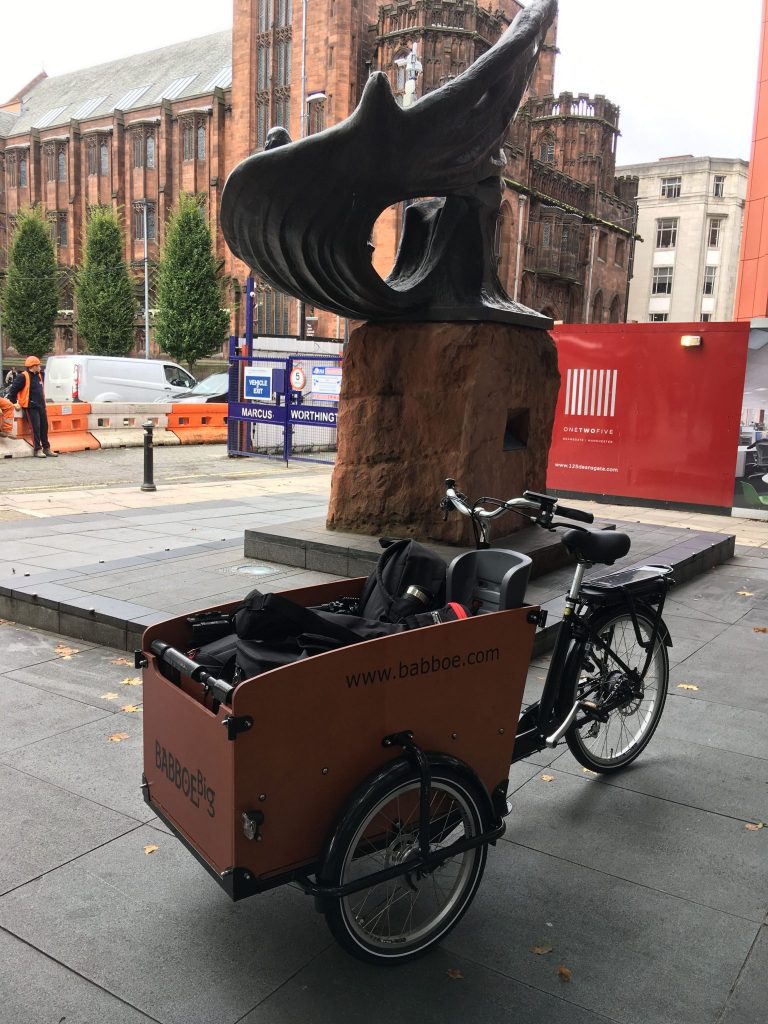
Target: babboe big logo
[(591, 392)]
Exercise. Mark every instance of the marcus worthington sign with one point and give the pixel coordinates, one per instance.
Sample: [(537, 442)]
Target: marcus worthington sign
[(309, 415)]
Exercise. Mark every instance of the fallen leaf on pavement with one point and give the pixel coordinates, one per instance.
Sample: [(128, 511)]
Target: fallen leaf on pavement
[(687, 686), (454, 973), (110, 696), (3, 622), (66, 652), (131, 708), (150, 848), (541, 950), (131, 681), (122, 661), (564, 973), (118, 737), (754, 826), (547, 778), (760, 629), (745, 593), (588, 771)]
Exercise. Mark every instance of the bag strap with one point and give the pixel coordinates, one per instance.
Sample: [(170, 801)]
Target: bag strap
[(386, 557)]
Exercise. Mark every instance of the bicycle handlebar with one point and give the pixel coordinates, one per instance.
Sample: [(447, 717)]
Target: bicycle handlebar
[(543, 505)]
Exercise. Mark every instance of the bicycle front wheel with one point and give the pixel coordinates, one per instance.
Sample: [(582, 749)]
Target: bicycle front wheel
[(398, 920), (633, 709)]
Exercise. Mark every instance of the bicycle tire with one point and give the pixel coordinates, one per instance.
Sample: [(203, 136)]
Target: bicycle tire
[(611, 746), (396, 921)]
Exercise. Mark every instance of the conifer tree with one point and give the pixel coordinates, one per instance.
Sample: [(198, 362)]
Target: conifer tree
[(31, 294), (190, 321), (106, 307)]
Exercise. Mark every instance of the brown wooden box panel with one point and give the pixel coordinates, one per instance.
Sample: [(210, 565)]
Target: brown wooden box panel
[(319, 724)]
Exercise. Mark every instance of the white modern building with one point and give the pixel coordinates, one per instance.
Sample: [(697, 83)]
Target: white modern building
[(690, 212)]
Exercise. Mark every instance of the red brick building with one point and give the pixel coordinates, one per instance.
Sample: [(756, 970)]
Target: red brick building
[(179, 118)]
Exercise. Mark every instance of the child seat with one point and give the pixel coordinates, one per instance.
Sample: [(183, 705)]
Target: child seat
[(490, 580)]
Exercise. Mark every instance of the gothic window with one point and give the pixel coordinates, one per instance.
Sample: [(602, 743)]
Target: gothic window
[(62, 230), (316, 116), (187, 141), (62, 164), (2, 176), (283, 13), (546, 234), (50, 163), (620, 254), (262, 67), (283, 111), (710, 277), (602, 246), (93, 158), (261, 122), (671, 187), (666, 233), (138, 222), (201, 142), (12, 176), (137, 143), (597, 309), (150, 151), (283, 47), (104, 159), (265, 8), (22, 172), (614, 313), (401, 55), (547, 150), (271, 312), (662, 281)]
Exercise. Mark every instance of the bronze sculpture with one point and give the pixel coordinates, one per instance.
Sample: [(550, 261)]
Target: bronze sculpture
[(301, 213)]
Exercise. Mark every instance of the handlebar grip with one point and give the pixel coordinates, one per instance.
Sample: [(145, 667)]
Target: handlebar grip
[(450, 483), (220, 689), (575, 514)]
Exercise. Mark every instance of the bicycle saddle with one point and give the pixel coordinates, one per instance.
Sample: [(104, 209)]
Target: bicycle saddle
[(599, 546)]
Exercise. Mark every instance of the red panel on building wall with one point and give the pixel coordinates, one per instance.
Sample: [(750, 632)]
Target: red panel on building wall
[(639, 416)]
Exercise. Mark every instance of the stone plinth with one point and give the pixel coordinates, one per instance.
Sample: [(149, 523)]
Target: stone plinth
[(422, 402)]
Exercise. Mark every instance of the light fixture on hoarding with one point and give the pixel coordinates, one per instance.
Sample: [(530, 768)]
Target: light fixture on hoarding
[(691, 341)]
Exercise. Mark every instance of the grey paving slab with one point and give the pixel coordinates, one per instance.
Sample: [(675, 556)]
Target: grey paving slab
[(170, 942), (22, 646), (85, 677), (715, 595), (690, 853), (730, 729), (50, 826), (29, 714), (685, 627), (724, 670), (37, 990), (86, 763), (747, 1004), (638, 955), (334, 988)]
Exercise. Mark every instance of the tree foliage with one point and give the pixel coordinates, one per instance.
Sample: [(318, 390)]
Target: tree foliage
[(106, 307), (31, 294), (190, 322)]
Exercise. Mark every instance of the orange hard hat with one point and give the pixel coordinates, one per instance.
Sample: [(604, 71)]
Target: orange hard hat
[(32, 361)]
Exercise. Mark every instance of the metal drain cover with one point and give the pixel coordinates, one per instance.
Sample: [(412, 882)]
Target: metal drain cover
[(254, 570)]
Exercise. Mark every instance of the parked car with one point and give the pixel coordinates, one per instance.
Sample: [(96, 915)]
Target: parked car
[(84, 378), (213, 388)]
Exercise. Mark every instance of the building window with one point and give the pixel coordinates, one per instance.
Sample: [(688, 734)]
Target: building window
[(50, 163), (12, 178), (62, 165), (150, 151), (713, 233), (262, 67), (597, 309), (662, 281), (316, 116), (658, 318), (2, 176), (104, 159), (265, 9), (283, 47), (272, 312), (283, 111), (670, 187), (201, 142), (138, 149), (261, 123), (93, 159), (283, 13), (666, 233), (62, 232), (138, 222), (718, 187), (546, 234), (547, 151), (188, 141), (22, 172), (706, 317), (710, 277), (602, 246), (621, 251)]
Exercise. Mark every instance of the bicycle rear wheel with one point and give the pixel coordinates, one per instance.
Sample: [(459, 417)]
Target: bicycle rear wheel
[(633, 712)]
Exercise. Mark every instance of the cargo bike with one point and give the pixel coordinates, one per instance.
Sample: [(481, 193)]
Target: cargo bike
[(374, 775)]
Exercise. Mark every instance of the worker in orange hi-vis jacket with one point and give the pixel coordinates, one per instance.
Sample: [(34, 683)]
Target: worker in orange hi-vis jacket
[(26, 391)]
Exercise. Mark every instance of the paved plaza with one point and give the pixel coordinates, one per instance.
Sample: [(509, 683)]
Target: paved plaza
[(650, 888)]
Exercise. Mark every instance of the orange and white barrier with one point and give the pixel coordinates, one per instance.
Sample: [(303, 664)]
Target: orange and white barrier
[(205, 423)]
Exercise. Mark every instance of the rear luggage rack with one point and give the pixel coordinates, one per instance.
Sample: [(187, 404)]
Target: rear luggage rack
[(644, 582)]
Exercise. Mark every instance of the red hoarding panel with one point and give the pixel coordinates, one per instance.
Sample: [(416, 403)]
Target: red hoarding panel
[(640, 416)]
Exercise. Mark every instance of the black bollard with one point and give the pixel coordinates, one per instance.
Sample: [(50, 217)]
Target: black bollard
[(149, 483)]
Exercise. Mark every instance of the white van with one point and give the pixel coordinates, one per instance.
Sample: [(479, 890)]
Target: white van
[(87, 378)]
